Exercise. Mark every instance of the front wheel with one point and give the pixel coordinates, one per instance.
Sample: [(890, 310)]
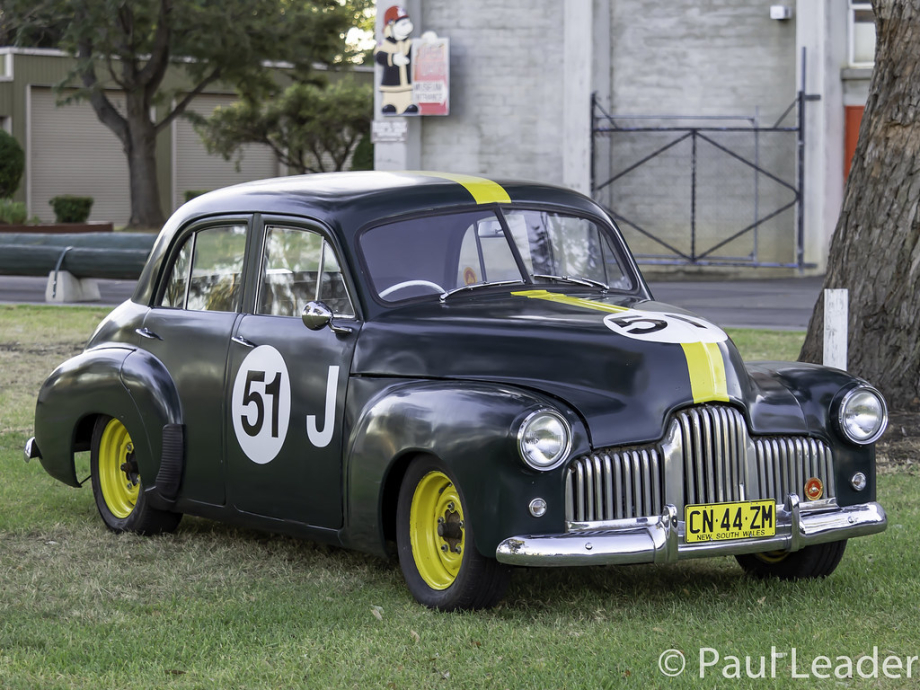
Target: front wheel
[(437, 552), (810, 562), (117, 485)]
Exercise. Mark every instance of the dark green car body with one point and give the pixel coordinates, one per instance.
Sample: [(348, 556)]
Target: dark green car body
[(451, 377)]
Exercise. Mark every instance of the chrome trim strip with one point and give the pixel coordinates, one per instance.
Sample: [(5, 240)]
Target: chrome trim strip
[(659, 539)]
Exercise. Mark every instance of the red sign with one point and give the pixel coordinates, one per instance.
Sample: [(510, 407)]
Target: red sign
[(431, 74)]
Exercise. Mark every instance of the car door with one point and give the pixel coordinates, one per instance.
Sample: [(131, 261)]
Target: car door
[(188, 329), (286, 384)]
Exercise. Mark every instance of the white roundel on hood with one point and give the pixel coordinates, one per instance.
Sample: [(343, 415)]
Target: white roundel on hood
[(661, 327)]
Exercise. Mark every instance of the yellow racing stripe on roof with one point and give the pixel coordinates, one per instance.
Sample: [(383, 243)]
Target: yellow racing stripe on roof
[(483, 191), (705, 363)]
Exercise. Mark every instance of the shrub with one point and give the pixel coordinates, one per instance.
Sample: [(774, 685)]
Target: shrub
[(363, 158), (192, 193), (12, 165), (71, 209), (12, 212)]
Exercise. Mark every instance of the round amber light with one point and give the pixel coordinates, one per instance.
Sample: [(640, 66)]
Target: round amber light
[(814, 489)]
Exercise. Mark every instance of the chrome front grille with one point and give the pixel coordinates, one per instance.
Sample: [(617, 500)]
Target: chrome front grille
[(707, 456), (785, 464), (612, 485), (713, 441)]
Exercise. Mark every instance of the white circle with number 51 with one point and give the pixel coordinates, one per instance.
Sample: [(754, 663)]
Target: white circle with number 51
[(660, 327), (261, 404)]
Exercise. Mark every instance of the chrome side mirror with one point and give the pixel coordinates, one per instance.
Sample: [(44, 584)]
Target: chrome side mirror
[(316, 315)]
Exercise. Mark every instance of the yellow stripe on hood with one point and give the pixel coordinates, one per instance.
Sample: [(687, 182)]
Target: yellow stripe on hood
[(705, 364)]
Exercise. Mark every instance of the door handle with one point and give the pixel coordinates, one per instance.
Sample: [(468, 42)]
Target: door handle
[(147, 333), (240, 340)]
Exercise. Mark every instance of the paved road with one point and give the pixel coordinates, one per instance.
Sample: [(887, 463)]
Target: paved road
[(779, 304), (776, 304)]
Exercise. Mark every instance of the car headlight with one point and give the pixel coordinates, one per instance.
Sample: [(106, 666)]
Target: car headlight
[(544, 439), (863, 415)]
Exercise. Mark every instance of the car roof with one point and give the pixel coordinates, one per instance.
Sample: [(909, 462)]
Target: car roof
[(349, 201), (370, 195)]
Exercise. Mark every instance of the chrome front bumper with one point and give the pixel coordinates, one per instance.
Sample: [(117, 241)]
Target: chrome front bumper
[(661, 539)]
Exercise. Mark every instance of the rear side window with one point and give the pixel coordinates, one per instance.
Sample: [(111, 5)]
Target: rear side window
[(206, 274)]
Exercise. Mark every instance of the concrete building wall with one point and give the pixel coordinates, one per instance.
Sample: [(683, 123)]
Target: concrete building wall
[(700, 57), (506, 108), (711, 64)]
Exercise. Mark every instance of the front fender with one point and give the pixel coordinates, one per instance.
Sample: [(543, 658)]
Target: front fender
[(816, 392), (469, 426)]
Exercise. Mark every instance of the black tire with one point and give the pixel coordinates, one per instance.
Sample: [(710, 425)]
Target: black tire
[(811, 562), (452, 580), (117, 485)]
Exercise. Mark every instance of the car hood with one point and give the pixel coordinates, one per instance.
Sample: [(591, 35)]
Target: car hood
[(622, 363)]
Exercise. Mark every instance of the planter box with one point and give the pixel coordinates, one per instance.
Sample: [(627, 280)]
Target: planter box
[(56, 228)]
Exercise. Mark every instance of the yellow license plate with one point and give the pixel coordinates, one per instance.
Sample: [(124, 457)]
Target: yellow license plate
[(725, 521)]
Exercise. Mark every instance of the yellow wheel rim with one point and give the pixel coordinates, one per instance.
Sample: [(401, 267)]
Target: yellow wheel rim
[(436, 530), (118, 479), (772, 556)]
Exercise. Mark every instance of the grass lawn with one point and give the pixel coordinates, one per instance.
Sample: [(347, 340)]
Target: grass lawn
[(216, 607)]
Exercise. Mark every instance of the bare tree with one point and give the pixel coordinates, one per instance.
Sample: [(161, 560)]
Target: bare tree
[(875, 251)]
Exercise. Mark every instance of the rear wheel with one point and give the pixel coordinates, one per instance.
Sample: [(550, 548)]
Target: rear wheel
[(117, 485), (815, 561), (437, 552)]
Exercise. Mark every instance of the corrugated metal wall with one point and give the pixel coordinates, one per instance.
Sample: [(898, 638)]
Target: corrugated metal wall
[(194, 169), (71, 152)]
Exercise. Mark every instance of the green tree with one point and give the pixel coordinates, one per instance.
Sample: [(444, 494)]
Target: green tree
[(310, 127), (875, 250), (128, 45), (12, 165)]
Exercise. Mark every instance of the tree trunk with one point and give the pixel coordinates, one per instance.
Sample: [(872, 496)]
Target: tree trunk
[(146, 211), (875, 250)]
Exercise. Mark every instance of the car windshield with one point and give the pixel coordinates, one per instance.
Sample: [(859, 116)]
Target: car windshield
[(435, 255)]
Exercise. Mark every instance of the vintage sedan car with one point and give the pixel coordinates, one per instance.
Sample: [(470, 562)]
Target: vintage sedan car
[(471, 373)]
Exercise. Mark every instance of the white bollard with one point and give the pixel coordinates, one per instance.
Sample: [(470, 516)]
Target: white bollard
[(62, 287), (835, 328)]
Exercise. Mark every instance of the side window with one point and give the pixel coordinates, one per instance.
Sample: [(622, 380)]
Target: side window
[(207, 272), (177, 286), (300, 267)]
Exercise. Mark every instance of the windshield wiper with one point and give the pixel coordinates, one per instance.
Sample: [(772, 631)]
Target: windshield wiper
[(474, 286), (578, 280)]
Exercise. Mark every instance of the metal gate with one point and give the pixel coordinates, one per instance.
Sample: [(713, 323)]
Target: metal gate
[(703, 191)]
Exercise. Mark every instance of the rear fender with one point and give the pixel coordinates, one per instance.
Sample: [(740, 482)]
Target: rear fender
[(115, 381)]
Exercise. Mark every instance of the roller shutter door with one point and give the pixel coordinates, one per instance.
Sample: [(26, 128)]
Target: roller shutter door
[(196, 170), (71, 152)]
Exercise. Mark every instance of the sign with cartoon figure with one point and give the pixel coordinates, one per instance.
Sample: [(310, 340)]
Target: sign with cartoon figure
[(431, 74), (414, 74)]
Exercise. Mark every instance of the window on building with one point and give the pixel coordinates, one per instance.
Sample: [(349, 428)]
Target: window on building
[(862, 34)]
